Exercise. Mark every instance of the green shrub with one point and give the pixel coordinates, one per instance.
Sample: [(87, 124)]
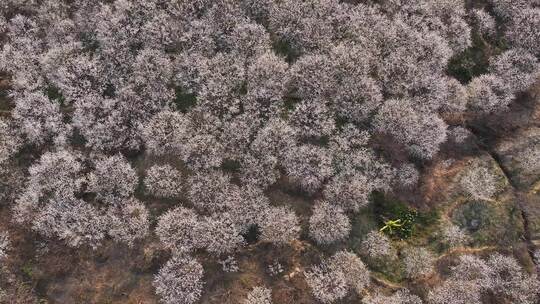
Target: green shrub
[(398, 220)]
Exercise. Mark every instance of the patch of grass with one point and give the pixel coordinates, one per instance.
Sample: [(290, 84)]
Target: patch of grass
[(285, 49), (230, 166), (110, 91), (321, 141), (473, 61), (251, 236), (77, 139), (27, 271), (184, 100), (474, 216), (4, 103), (89, 43), (290, 100), (242, 89), (341, 122), (489, 223), (429, 218), (54, 94)]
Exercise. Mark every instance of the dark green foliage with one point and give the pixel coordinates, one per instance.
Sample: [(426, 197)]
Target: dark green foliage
[(252, 234), (429, 218), (231, 166), (89, 44), (473, 216), (5, 105), (184, 100), (363, 222), (110, 91), (290, 100), (473, 61), (54, 94), (285, 49), (321, 141), (28, 271), (408, 222), (387, 209), (489, 223), (470, 63), (242, 89), (341, 122)]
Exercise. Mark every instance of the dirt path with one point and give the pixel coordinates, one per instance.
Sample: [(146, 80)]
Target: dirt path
[(466, 250), (386, 283)]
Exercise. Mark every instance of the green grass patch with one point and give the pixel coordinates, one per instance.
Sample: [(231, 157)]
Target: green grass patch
[(5, 105), (489, 223), (184, 100), (54, 94), (285, 49), (473, 61), (28, 271), (290, 100), (110, 91), (230, 166)]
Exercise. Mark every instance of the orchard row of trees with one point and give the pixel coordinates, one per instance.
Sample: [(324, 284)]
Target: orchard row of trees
[(231, 98)]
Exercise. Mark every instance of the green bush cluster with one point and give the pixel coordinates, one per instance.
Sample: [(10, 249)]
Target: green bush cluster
[(398, 220)]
